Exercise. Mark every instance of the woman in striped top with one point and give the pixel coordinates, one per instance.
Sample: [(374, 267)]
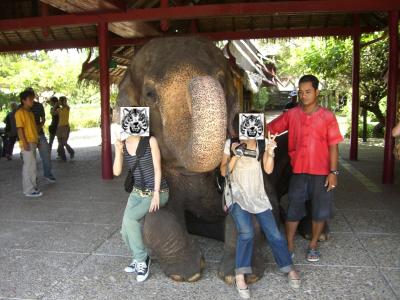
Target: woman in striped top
[(150, 192)]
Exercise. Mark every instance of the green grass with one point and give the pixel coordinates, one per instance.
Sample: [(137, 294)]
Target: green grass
[(84, 116), (80, 116)]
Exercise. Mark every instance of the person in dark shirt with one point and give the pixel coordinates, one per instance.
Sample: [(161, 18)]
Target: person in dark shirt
[(43, 146), (54, 121), (292, 101), (10, 132)]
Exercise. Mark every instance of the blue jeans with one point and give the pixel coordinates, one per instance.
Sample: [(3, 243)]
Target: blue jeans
[(44, 153), (244, 244)]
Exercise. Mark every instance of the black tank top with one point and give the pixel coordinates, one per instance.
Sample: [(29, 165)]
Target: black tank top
[(145, 165)]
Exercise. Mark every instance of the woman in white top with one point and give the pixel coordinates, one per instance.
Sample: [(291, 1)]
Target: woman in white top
[(248, 179)]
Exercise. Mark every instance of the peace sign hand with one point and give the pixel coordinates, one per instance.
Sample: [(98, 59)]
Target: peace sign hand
[(271, 143)]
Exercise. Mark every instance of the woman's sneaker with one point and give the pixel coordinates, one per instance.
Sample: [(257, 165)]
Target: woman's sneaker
[(143, 269), (132, 268), (34, 194)]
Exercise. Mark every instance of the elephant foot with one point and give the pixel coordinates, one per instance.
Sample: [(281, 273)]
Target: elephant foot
[(177, 252), (179, 278), (229, 279), (322, 238), (226, 270), (252, 278), (182, 270), (195, 277), (227, 273)]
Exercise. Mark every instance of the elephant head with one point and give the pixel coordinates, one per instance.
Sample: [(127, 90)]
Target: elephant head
[(188, 86)]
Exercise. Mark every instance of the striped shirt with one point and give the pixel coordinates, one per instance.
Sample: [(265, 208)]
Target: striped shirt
[(145, 166)]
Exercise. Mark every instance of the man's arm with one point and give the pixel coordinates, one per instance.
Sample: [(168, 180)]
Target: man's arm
[(22, 137), (331, 179), (279, 124)]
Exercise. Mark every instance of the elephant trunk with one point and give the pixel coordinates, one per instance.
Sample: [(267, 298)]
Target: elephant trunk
[(208, 123)]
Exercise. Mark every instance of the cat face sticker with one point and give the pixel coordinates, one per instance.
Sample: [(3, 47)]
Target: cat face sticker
[(135, 121), (251, 126)]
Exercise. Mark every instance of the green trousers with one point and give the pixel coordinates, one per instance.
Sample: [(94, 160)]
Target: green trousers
[(131, 231)]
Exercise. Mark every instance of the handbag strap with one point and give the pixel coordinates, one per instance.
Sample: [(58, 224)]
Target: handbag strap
[(228, 175)]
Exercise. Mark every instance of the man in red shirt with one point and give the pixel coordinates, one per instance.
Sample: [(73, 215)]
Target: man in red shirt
[(313, 134)]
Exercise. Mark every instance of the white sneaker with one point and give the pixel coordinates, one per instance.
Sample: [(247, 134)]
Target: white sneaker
[(50, 179), (143, 270), (36, 193), (132, 268)]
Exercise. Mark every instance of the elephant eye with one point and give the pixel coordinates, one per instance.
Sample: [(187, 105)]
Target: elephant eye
[(150, 94)]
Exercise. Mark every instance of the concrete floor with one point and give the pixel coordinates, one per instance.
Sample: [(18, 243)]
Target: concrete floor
[(66, 244)]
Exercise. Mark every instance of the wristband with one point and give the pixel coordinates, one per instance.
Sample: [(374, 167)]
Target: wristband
[(335, 172)]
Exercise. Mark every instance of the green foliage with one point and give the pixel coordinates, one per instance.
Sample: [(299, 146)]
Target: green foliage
[(261, 99), (84, 116), (370, 129), (53, 72), (6, 99), (330, 59)]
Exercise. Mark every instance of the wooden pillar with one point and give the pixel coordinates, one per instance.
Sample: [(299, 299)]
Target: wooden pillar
[(388, 160), (106, 162), (355, 104), (164, 22)]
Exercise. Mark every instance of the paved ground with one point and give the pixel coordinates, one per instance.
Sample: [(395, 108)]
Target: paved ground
[(66, 245)]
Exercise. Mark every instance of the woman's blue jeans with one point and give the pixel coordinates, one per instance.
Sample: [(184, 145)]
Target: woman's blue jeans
[(244, 243)]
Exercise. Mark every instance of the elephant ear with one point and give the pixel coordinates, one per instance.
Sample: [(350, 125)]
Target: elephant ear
[(127, 95)]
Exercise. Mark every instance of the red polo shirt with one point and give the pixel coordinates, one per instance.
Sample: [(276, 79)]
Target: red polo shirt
[(310, 136)]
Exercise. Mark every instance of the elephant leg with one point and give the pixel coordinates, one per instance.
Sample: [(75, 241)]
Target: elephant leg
[(259, 261), (227, 266), (305, 226), (167, 239), (226, 269)]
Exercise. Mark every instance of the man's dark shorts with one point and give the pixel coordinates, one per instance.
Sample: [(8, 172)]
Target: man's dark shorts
[(305, 187)]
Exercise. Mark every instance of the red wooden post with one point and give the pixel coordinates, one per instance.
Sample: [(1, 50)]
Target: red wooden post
[(356, 87), (105, 101), (164, 22), (44, 12), (388, 160)]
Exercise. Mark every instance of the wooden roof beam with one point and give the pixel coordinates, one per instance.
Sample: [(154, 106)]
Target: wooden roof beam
[(96, 5), (216, 36), (118, 4), (204, 11)]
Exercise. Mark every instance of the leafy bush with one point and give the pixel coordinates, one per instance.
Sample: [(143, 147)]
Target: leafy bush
[(370, 129), (84, 116), (261, 99)]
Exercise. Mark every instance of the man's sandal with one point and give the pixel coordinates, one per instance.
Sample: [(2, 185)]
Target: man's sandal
[(294, 281), (313, 255)]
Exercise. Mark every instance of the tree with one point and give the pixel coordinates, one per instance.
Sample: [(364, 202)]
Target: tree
[(55, 72), (372, 85), (331, 60)]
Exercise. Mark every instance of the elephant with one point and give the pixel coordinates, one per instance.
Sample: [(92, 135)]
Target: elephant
[(188, 85)]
